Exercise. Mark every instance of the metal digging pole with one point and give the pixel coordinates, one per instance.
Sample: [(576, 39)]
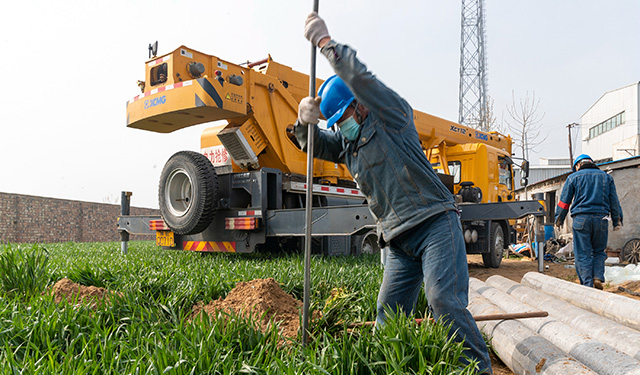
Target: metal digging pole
[(309, 204)]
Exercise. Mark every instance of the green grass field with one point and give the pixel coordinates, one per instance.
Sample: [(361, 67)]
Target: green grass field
[(146, 331)]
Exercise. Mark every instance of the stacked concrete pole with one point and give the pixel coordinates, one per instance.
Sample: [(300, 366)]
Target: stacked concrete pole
[(522, 350), (596, 355), (619, 336), (586, 340), (617, 308)]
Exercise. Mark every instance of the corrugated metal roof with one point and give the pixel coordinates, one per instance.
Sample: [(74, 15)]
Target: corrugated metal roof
[(539, 173)]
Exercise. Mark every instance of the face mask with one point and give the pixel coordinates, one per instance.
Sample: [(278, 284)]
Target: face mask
[(350, 128)]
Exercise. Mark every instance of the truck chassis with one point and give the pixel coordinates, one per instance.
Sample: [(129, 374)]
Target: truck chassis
[(265, 209)]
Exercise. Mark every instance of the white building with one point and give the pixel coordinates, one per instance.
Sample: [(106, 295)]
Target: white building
[(610, 128)]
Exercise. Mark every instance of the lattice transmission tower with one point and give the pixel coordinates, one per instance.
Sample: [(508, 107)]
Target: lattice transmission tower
[(473, 81)]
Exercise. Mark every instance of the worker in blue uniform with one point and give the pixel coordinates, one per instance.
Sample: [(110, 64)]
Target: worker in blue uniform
[(416, 215), (591, 194)]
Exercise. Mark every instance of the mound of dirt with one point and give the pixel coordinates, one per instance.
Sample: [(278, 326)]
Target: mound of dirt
[(67, 290), (262, 300)]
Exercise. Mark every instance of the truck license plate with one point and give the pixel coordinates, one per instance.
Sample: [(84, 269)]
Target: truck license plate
[(165, 238)]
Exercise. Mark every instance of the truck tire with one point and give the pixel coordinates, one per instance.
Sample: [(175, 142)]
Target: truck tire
[(368, 244), (496, 247), (188, 192)]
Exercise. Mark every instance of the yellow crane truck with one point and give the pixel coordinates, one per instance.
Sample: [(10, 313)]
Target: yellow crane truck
[(245, 188)]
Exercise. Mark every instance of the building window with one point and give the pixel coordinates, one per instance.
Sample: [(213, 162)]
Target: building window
[(607, 125)]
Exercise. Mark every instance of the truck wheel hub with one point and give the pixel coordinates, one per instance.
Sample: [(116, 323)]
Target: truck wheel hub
[(178, 192)]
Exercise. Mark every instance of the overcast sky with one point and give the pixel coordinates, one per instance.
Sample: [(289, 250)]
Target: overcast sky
[(69, 68)]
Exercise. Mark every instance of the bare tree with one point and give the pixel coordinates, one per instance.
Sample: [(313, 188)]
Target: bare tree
[(525, 123), (487, 120)]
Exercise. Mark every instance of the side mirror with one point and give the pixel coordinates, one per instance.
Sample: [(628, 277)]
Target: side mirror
[(524, 181), (525, 169), (153, 49)]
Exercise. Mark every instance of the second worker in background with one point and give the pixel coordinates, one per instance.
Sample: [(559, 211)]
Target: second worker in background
[(595, 202)]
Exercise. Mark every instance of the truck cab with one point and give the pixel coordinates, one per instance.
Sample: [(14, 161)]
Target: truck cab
[(475, 165)]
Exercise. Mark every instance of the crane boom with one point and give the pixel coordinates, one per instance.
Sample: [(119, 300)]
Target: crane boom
[(433, 130)]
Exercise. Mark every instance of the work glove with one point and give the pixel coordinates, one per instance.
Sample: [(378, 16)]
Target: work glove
[(309, 110), (315, 29), (558, 223)]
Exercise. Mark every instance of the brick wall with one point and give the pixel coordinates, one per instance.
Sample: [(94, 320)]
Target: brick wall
[(30, 219)]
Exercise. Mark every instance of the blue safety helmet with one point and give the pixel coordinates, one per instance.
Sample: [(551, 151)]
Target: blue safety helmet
[(336, 98), (579, 159)]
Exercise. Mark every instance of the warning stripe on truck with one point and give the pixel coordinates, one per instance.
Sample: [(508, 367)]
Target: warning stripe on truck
[(159, 61), (220, 247), (332, 190), (161, 89)]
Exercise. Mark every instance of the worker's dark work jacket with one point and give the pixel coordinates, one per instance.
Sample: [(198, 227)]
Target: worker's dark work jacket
[(593, 192), (386, 159)]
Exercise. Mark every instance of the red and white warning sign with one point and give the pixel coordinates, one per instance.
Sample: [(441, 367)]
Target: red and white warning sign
[(218, 155)]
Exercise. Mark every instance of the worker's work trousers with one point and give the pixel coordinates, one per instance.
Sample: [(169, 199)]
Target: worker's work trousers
[(433, 253), (590, 234)]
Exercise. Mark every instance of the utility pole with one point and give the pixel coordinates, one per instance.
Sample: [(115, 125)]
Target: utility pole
[(573, 124)]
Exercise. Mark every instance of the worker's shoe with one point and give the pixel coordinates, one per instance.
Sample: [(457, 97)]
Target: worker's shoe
[(597, 283)]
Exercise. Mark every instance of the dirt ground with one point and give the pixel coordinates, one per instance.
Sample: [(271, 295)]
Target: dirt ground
[(514, 269)]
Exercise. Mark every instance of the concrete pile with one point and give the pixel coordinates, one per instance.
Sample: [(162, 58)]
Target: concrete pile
[(587, 331)]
